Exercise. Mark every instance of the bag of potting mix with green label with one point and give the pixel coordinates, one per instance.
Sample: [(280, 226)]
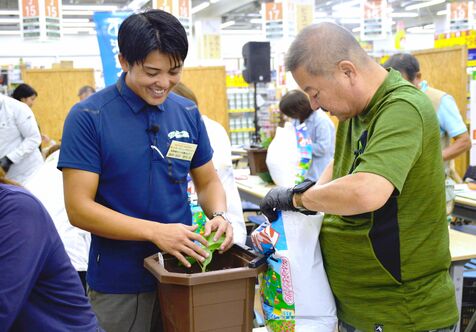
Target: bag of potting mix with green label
[(295, 292)]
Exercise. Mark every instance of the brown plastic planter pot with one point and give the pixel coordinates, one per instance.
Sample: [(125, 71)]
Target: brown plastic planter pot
[(257, 160), (219, 300)]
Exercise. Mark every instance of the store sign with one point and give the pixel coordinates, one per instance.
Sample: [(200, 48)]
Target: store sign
[(181, 9), (40, 19), (460, 15), (304, 14), (273, 20), (374, 23), (107, 28)]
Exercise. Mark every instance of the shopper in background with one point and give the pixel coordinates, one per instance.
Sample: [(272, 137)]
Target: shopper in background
[(384, 238), (85, 92), (25, 93), (453, 132), (47, 185), (39, 288), (295, 105), (19, 140), (222, 162), (125, 155)]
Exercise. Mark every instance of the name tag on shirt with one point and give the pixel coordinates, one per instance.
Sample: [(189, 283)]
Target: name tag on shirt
[(181, 150)]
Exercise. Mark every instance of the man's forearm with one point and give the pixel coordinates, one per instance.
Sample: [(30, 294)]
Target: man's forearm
[(212, 198), (350, 195)]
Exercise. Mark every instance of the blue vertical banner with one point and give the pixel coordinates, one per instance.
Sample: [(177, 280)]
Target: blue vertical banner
[(107, 28)]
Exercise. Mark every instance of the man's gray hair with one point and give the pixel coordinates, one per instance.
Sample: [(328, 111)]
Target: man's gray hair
[(320, 47)]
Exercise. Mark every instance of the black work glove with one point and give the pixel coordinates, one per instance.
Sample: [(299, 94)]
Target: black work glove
[(5, 163), (277, 199)]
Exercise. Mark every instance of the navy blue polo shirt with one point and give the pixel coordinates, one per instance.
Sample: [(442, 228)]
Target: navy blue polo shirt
[(111, 133), (39, 288)]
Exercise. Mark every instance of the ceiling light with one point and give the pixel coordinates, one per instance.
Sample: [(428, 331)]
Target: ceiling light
[(442, 12), (93, 8), (135, 4), (346, 5), (356, 29), (9, 12), (346, 13), (74, 31), (424, 4), (8, 32), (214, 1), (420, 30), (350, 20), (10, 20), (78, 12), (200, 7), (320, 14), (76, 20), (227, 24), (78, 25), (404, 14), (256, 21)]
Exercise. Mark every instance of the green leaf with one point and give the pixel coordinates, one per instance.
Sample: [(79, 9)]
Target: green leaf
[(210, 249)]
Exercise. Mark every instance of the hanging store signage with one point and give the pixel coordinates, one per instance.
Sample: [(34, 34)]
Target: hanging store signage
[(273, 20), (304, 10), (107, 28), (181, 9), (460, 15), (40, 19), (374, 21)]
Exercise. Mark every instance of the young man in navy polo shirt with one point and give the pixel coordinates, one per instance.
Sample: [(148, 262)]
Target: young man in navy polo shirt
[(126, 152)]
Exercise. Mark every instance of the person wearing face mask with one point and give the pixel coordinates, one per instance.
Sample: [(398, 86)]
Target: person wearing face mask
[(295, 105), (453, 132), (125, 155)]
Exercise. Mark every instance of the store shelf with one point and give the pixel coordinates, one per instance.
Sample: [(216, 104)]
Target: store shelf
[(242, 130), (242, 110)]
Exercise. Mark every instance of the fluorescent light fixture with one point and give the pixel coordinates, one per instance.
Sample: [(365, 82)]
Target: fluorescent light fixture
[(320, 14), (76, 20), (8, 32), (404, 14), (442, 12), (10, 20), (346, 13), (78, 25), (420, 30), (345, 5), (74, 31), (93, 8), (214, 1), (324, 19), (135, 4), (227, 24), (424, 4), (9, 12), (350, 20), (256, 21), (200, 7), (358, 29), (78, 13)]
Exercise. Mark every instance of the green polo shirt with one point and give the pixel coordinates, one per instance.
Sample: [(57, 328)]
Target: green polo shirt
[(390, 267)]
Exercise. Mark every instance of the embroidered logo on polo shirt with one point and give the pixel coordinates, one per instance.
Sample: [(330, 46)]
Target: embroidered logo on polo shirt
[(178, 134)]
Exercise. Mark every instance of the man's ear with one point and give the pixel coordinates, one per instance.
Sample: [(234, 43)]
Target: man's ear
[(124, 63), (348, 69)]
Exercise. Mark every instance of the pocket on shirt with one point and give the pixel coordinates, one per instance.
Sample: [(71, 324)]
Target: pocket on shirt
[(178, 170)]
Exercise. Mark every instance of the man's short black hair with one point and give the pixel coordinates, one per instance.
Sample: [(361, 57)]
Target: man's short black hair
[(23, 91), (405, 63), (152, 30)]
